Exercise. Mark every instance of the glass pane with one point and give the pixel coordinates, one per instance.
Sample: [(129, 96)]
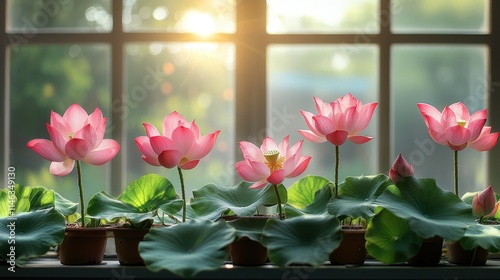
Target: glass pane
[(29, 16), (187, 16), (52, 77), (197, 81), (439, 76), (296, 74), (440, 16), (323, 16)]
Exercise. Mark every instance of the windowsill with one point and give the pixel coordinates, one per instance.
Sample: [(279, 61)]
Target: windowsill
[(50, 268)]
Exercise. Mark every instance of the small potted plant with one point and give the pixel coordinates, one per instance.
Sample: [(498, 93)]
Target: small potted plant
[(456, 128), (148, 199), (77, 137), (412, 218), (481, 237), (337, 122), (192, 240)]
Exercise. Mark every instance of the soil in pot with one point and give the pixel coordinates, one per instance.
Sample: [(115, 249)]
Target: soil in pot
[(351, 249), (456, 254), (83, 246), (127, 245), (429, 254)]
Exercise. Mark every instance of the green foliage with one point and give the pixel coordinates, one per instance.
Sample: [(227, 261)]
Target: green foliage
[(390, 239), (211, 201), (29, 221), (302, 192), (307, 239), (357, 196), (480, 235), (317, 207), (251, 227), (429, 210), (188, 248), (140, 201)]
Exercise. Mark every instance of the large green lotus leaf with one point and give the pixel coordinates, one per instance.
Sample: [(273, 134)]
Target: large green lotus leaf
[(26, 199), (35, 232), (104, 206), (147, 193), (303, 192), (138, 202), (307, 239), (429, 210), (357, 196), (211, 200), (251, 227), (64, 206), (317, 207), (486, 236), (186, 249), (390, 240)]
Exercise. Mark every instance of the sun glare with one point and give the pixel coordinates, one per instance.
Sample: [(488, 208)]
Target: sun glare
[(199, 23)]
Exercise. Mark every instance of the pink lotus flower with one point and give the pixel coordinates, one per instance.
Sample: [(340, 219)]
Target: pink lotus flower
[(271, 163), (180, 144), (400, 169), (457, 129), (75, 136), (483, 203), (338, 121)]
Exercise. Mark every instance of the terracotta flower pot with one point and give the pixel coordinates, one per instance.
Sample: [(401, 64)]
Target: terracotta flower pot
[(127, 245), (351, 249), (83, 246), (429, 254), (247, 252), (456, 254)]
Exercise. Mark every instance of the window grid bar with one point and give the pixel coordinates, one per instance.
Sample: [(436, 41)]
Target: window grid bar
[(494, 96), (118, 92)]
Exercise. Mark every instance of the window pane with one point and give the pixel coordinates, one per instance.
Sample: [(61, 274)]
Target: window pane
[(323, 16), (197, 81), (439, 76), (296, 74), (440, 16), (29, 16), (190, 16), (52, 77)]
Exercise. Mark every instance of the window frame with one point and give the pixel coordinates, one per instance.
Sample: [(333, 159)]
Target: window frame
[(251, 41)]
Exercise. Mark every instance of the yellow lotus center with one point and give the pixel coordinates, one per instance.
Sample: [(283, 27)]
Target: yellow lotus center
[(461, 122), (274, 161), (71, 135)]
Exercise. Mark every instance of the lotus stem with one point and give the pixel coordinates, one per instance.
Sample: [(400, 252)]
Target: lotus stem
[(336, 171), (456, 171), (80, 188), (183, 192), (282, 217)]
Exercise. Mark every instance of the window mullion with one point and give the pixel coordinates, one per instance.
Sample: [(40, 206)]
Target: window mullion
[(384, 107), (251, 43), (118, 132), (494, 95)]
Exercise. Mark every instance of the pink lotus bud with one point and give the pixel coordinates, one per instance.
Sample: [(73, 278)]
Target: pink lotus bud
[(400, 169), (484, 203)]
